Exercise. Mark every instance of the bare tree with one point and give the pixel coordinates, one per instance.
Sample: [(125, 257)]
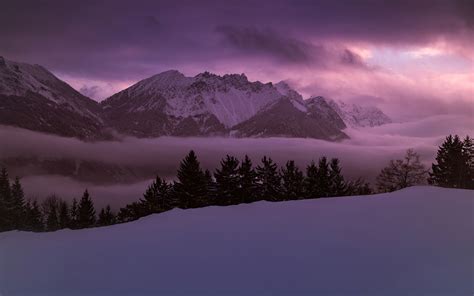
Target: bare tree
[(401, 173)]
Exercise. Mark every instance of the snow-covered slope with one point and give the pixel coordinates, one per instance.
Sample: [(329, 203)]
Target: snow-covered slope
[(417, 241), (356, 115), (292, 118), (32, 97)]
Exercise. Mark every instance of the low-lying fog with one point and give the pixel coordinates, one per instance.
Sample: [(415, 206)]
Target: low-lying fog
[(363, 155)]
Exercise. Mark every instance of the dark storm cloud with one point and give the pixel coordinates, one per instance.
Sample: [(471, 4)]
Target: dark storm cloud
[(268, 43), (133, 39)]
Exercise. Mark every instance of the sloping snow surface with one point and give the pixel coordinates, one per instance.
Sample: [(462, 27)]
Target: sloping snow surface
[(418, 241)]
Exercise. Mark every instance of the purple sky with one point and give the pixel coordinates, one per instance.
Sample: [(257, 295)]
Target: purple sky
[(411, 58)]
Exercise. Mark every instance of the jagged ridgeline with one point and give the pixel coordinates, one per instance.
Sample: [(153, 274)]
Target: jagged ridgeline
[(171, 104)]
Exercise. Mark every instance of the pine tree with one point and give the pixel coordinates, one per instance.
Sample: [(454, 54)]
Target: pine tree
[(269, 186), (73, 214), (50, 209), (323, 179), (337, 185), (192, 187), (292, 182), (247, 181), (18, 204), (106, 217), (33, 217), (468, 151), (210, 198), (358, 187), (64, 216), (86, 211), (157, 197), (311, 181), (227, 181), (52, 220), (6, 207)]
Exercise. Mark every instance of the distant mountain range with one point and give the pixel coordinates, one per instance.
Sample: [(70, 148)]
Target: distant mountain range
[(171, 104)]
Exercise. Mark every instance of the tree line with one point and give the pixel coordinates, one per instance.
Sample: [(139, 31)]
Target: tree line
[(234, 182)]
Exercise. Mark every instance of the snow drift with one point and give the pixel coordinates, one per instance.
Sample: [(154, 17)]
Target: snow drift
[(411, 242)]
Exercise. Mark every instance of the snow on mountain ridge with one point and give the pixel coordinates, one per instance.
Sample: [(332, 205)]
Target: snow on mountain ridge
[(231, 98), (356, 115), (19, 79)]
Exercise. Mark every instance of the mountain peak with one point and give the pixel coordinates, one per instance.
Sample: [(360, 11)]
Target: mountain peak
[(354, 115)]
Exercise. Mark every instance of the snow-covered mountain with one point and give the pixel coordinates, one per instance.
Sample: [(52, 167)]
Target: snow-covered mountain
[(170, 103), (32, 97), (356, 115)]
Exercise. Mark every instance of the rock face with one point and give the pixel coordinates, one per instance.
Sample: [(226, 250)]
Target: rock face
[(171, 104), (358, 116), (31, 97)]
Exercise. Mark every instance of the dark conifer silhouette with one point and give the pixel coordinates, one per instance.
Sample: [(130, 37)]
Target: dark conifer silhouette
[(454, 164), (292, 185), (6, 206), (73, 214), (33, 217), (247, 181), (86, 212), (106, 217), (269, 183), (50, 209), (338, 186), (311, 181), (157, 198), (52, 220), (192, 188), (323, 184), (227, 181), (64, 215), (17, 204)]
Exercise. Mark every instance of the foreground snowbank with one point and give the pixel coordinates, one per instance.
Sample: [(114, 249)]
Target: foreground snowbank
[(415, 241)]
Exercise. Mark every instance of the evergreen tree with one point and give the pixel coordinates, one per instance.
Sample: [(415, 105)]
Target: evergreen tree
[(52, 220), (402, 173), (323, 178), (157, 198), (292, 182), (269, 186), (33, 217), (50, 208), (454, 164), (106, 217), (6, 206), (468, 151), (247, 181), (192, 187), (73, 214), (358, 187), (64, 215), (131, 212), (86, 211), (227, 181), (337, 185), (311, 181), (18, 204), (211, 189)]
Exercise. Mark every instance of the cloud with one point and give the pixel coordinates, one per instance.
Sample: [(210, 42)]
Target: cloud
[(269, 43), (363, 155)]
